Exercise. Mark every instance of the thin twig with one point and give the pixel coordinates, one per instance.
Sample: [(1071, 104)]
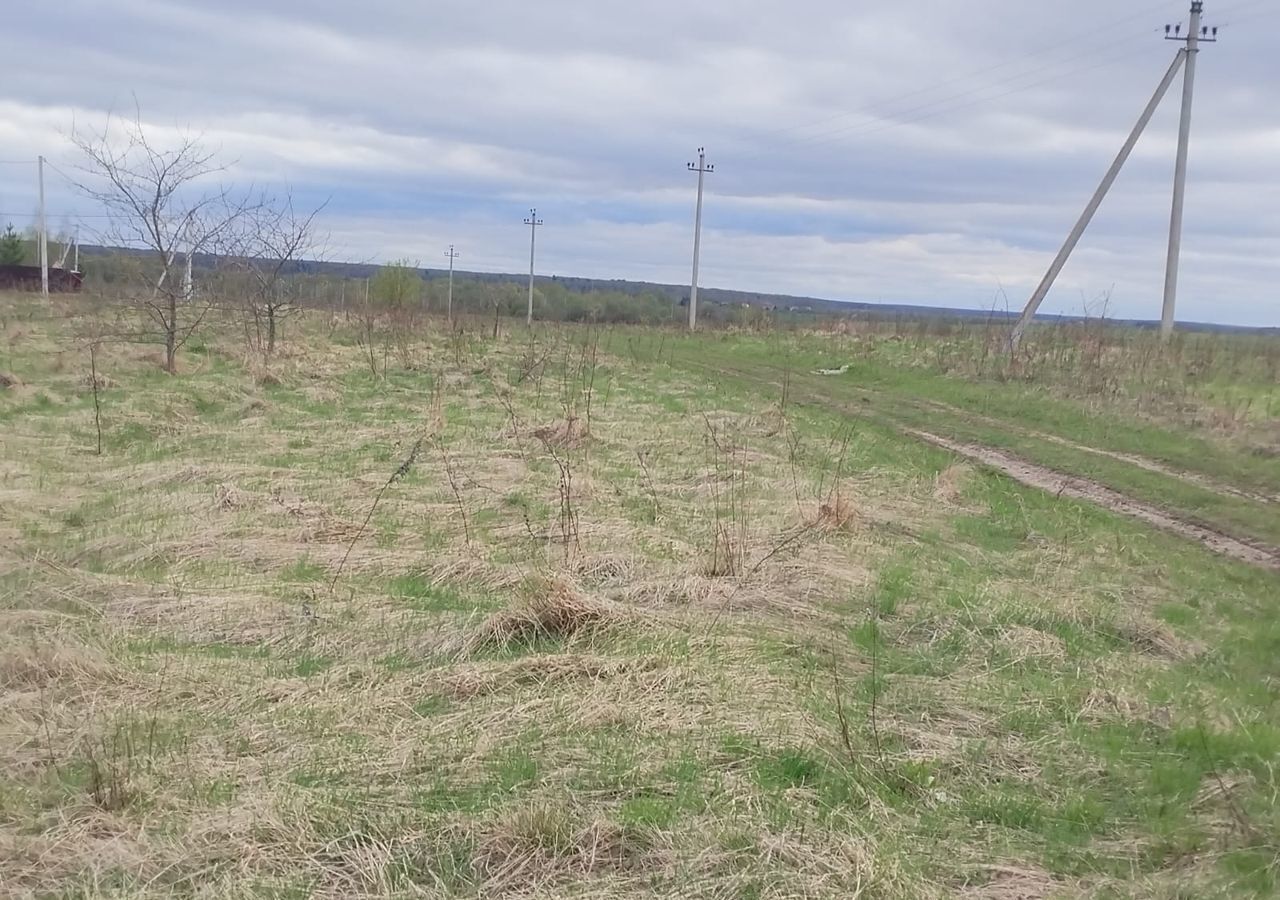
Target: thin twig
[(453, 485), (97, 407), (399, 473)]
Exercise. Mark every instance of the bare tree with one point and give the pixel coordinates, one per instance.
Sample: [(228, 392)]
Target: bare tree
[(273, 239), (154, 196)]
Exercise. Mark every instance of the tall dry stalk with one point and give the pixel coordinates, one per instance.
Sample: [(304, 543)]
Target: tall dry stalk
[(401, 471), (97, 405)]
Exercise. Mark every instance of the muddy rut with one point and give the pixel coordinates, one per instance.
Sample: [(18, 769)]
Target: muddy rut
[(1196, 478), (1249, 551), (1083, 489)]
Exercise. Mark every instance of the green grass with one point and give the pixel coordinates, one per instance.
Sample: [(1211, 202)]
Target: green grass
[(957, 684)]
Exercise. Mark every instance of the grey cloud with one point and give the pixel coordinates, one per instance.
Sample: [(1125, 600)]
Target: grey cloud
[(921, 150)]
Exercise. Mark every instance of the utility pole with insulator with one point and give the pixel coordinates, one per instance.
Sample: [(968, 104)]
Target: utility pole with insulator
[(533, 222), (703, 169), (44, 232), (1185, 58), (1196, 34), (452, 254)]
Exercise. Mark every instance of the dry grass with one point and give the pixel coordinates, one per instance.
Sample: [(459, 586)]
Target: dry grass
[(550, 607), (949, 484), (568, 433), (196, 710), (1014, 883), (837, 513), (40, 660), (543, 844)]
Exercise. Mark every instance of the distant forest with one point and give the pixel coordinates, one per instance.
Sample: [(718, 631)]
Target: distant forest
[(561, 298)]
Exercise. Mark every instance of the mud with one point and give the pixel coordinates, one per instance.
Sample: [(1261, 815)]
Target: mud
[(1083, 489), (1133, 459)]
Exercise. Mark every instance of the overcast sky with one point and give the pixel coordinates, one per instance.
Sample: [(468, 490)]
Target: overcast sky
[(916, 151)]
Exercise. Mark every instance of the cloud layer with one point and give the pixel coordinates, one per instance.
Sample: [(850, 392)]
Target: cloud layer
[(918, 152)]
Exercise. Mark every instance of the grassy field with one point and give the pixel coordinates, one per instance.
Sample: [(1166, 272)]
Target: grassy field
[(408, 612)]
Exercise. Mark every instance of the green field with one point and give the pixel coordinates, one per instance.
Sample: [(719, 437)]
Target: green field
[(411, 611)]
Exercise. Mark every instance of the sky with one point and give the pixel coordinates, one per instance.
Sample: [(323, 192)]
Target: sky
[(920, 151)]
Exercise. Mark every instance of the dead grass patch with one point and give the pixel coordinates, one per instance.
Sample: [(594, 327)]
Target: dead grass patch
[(568, 434), (837, 513), (103, 382), (468, 570), (1107, 704), (36, 662), (1025, 643), (1155, 639), (1013, 883), (604, 569), (264, 377), (228, 496), (472, 680), (550, 607), (545, 843), (950, 483), (237, 619), (329, 530)]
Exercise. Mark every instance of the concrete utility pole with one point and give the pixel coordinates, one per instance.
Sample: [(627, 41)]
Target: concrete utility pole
[(449, 306), (1198, 34), (1195, 34), (44, 232), (533, 222), (1029, 312), (703, 170)]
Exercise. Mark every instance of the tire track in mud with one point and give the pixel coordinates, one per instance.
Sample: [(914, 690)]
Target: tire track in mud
[(1133, 459), (1044, 478), (1061, 485)]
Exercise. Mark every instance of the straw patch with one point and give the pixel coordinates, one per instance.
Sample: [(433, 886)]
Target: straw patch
[(551, 607)]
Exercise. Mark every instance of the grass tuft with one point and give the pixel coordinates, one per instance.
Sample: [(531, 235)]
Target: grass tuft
[(551, 607)]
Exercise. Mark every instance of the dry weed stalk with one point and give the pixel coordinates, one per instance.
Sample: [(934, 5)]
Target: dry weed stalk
[(453, 486), (97, 405), (367, 320), (729, 539), (568, 517), (401, 471), (643, 457)]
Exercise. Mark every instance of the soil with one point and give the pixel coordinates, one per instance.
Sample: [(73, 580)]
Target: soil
[(1083, 489)]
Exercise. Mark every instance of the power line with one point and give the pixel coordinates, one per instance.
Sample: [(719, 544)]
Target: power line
[(1034, 54), (75, 215), (71, 181), (943, 105), (873, 128)]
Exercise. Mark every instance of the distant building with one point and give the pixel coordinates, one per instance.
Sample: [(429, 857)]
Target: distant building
[(27, 278)]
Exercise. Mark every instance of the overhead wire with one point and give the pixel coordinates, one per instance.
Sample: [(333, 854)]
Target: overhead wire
[(942, 107), (1023, 57), (946, 104)]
